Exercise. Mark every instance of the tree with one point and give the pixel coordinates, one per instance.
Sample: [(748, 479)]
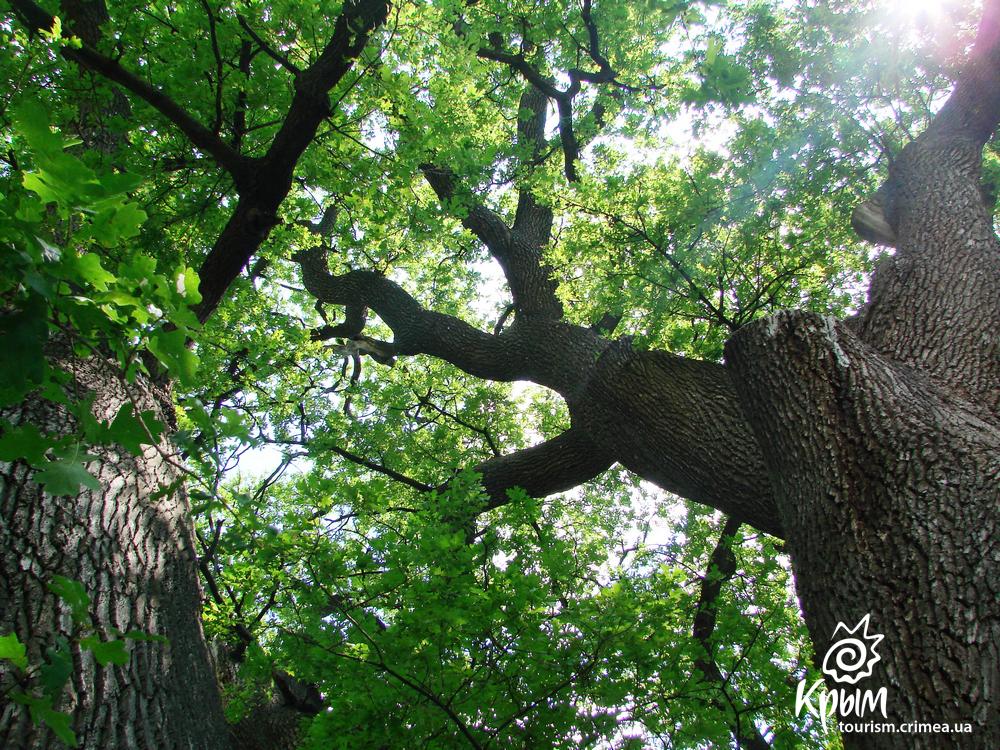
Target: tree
[(867, 444)]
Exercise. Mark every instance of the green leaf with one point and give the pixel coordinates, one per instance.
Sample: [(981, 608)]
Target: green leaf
[(41, 712), (106, 652), (65, 477), (114, 224), (60, 724), (33, 122), (54, 33), (132, 432), (120, 183), (35, 183), (713, 49), (22, 360), (57, 669), (170, 347), (13, 651), (138, 267), (90, 269), (50, 252), (187, 285), (24, 441), (73, 594)]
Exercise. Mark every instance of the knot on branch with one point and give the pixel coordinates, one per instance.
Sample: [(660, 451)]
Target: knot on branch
[(382, 352), (304, 697), (616, 354)]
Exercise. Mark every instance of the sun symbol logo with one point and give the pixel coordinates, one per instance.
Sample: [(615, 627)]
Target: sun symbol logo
[(852, 656)]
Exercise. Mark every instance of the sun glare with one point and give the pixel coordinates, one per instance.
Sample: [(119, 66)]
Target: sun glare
[(923, 13), (944, 22)]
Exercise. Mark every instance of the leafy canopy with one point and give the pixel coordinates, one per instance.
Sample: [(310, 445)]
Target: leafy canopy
[(712, 188)]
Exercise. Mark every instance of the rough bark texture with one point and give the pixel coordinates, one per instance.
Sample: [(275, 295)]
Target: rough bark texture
[(887, 488), (133, 552), (661, 415), (882, 439), (934, 304)]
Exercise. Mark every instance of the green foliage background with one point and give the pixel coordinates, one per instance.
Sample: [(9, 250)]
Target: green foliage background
[(716, 191)]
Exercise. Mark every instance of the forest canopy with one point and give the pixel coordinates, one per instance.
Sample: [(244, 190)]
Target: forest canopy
[(377, 259)]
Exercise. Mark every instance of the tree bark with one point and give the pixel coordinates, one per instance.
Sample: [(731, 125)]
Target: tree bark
[(881, 436), (132, 548), (887, 489)]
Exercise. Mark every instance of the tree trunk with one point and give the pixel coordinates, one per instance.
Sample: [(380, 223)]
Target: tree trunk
[(887, 489), (131, 547), (881, 436)]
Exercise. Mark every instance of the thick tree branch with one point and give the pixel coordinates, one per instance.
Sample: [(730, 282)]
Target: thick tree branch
[(935, 304), (520, 64), (967, 120), (607, 324), (530, 282), (486, 224), (256, 212), (678, 422), (970, 115), (517, 250), (557, 465), (721, 568), (551, 353), (973, 109), (533, 220), (85, 18), (353, 324), (674, 421), (310, 105), (593, 50), (416, 330)]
